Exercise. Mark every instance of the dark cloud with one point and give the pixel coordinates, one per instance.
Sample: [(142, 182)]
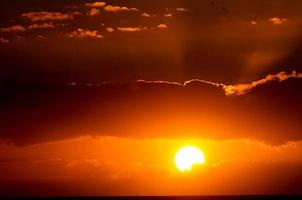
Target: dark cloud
[(35, 113)]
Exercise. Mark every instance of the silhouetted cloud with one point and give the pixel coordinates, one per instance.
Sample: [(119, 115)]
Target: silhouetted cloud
[(196, 108)]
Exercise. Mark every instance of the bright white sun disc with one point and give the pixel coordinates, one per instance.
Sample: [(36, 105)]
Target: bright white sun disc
[(187, 156)]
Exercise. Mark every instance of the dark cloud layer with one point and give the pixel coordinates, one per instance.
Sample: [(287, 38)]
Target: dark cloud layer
[(36, 113)]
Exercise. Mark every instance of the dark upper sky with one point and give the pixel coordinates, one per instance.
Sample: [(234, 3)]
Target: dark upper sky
[(225, 41)]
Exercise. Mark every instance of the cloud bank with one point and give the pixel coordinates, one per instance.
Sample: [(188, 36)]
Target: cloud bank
[(157, 109)]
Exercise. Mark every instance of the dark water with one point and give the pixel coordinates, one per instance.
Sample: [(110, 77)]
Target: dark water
[(254, 197)]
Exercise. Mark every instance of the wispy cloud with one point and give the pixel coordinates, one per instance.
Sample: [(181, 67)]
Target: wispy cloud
[(3, 40), (182, 10), (93, 12), (85, 33), (254, 23), (168, 15), (245, 88), (110, 8), (22, 28), (109, 29), (49, 16), (96, 4), (13, 29), (39, 26), (277, 20), (185, 84), (145, 14), (131, 29), (239, 89), (162, 26)]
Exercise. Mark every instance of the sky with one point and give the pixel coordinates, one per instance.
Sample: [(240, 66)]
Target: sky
[(96, 97)]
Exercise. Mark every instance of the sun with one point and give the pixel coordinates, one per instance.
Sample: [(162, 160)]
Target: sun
[(187, 156)]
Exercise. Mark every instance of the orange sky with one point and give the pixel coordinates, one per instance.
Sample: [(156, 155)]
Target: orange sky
[(96, 97), (146, 167)]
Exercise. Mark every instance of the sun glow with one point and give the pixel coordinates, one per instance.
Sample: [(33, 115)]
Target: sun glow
[(187, 156)]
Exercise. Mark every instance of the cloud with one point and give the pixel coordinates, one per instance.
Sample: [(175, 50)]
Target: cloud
[(168, 15), (110, 8), (277, 20), (162, 26), (109, 29), (49, 16), (22, 28), (85, 33), (93, 12), (41, 26), (147, 15), (154, 109), (3, 40), (238, 89), (13, 29), (96, 4), (245, 88), (183, 10), (131, 29), (253, 22)]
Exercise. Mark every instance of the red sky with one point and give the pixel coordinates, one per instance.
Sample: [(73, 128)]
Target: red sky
[(97, 97)]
